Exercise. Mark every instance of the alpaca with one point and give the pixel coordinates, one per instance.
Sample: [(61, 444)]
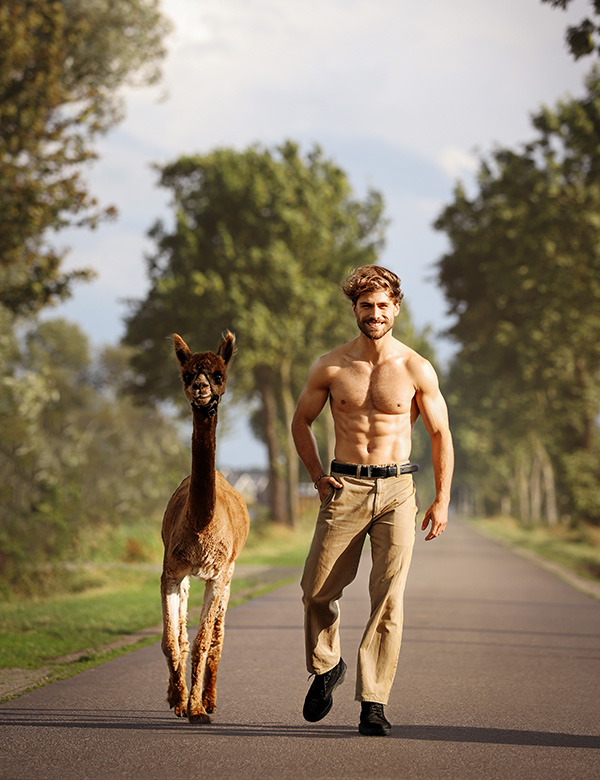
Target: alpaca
[(204, 528)]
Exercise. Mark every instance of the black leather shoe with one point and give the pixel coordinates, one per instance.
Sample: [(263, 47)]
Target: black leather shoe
[(373, 722), (319, 699)]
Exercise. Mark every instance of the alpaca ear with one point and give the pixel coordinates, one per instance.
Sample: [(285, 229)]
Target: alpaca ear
[(227, 347), (182, 351)]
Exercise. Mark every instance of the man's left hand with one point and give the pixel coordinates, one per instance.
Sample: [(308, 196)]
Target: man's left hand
[(437, 515)]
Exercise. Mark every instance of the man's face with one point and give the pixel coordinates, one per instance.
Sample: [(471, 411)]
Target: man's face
[(375, 314)]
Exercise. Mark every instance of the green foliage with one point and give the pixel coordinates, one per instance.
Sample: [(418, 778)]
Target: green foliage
[(581, 471), (261, 242), (584, 38), (522, 277), (77, 460), (61, 64)]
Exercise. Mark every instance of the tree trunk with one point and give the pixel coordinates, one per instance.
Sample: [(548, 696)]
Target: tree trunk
[(277, 487), (287, 399), (522, 486), (535, 489), (465, 502), (549, 485), (505, 505), (590, 405)]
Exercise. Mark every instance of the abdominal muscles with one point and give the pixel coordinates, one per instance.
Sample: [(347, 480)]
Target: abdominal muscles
[(372, 438)]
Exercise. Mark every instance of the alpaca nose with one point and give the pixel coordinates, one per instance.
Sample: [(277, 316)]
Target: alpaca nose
[(202, 385)]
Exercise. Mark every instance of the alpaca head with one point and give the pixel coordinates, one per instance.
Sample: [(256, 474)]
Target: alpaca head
[(204, 374)]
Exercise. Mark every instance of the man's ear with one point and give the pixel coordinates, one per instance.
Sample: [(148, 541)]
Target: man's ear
[(182, 351), (227, 347)]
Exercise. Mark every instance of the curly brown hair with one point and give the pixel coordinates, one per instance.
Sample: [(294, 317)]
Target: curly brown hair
[(371, 278)]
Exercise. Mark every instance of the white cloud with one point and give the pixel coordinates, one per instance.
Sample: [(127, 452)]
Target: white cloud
[(420, 75), (456, 162)]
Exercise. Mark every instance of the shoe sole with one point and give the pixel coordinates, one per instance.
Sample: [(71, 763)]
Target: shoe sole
[(326, 711), (373, 731)]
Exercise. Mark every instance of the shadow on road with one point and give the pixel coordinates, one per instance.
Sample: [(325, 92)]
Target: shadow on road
[(155, 721)]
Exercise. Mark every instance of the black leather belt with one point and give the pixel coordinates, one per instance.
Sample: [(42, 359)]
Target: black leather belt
[(380, 472)]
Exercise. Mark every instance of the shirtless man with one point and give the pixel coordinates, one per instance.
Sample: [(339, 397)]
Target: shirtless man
[(377, 387)]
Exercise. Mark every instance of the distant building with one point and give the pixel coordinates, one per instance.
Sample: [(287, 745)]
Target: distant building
[(253, 484)]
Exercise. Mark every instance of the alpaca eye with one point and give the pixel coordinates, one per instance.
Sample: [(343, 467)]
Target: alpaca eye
[(187, 378), (218, 377)]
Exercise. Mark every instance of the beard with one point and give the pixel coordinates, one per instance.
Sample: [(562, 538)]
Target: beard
[(367, 328)]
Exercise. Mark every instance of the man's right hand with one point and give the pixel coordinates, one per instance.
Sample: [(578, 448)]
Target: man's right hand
[(325, 485)]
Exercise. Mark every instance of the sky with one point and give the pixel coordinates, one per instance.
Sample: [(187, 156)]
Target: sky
[(404, 96)]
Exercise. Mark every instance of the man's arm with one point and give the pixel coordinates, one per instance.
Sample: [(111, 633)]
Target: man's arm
[(434, 412), (310, 404)]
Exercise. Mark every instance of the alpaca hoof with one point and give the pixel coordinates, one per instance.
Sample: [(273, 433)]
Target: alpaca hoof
[(197, 714), (210, 708), (177, 698), (180, 708), (198, 717)]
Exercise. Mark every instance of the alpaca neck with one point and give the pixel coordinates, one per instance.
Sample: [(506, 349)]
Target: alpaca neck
[(202, 484)]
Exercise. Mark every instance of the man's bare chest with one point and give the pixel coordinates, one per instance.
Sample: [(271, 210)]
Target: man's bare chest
[(387, 389)]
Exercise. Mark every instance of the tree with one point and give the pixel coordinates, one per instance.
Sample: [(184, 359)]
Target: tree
[(522, 277), (584, 38), (62, 63), (260, 244)]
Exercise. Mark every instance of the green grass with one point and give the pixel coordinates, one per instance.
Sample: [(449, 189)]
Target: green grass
[(36, 631), (576, 549), (276, 545)]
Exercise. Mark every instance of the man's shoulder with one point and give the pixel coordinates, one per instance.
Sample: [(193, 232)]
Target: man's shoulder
[(419, 367), (408, 355), (421, 370), (337, 357), (325, 369)]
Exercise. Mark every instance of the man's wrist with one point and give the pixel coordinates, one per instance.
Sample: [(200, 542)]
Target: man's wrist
[(318, 479)]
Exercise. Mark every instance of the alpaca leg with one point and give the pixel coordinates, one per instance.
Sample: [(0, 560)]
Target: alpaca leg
[(209, 697), (184, 644), (200, 649), (175, 645)]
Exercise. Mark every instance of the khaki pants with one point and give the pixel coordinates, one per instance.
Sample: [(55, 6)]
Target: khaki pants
[(386, 510)]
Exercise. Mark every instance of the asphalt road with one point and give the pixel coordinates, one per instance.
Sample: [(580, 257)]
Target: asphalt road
[(498, 678)]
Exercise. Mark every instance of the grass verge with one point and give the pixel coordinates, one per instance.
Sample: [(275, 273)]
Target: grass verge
[(577, 550)]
